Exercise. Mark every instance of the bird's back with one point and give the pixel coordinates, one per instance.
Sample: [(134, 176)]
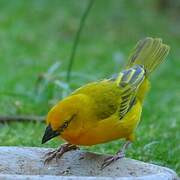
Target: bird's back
[(106, 96)]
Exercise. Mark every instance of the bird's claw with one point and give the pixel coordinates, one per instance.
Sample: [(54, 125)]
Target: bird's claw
[(112, 159), (59, 152), (50, 153), (120, 154)]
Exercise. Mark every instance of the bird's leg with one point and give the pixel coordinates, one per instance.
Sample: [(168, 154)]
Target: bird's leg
[(120, 154), (59, 152)]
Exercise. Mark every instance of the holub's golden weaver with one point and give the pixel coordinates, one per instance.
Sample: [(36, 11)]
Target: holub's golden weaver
[(106, 110)]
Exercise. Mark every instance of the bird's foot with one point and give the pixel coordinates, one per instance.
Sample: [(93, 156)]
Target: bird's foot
[(59, 152), (112, 159), (119, 155)]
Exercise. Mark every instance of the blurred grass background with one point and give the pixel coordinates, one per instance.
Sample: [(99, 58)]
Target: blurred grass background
[(36, 38)]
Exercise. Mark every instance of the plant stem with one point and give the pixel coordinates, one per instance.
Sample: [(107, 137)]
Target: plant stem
[(76, 40)]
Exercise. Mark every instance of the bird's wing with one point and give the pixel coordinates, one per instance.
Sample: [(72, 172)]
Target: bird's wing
[(129, 81), (105, 94), (111, 95)]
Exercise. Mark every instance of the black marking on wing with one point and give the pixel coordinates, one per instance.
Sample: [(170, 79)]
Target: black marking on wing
[(129, 82), (124, 106)]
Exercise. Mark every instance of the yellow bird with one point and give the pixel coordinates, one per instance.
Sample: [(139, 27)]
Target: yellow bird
[(106, 110)]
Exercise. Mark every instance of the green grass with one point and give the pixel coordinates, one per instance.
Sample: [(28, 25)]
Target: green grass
[(34, 35)]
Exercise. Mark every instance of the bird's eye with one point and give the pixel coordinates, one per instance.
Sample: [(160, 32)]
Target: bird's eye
[(65, 125)]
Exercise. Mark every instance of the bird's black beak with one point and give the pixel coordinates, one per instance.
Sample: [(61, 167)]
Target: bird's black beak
[(49, 134)]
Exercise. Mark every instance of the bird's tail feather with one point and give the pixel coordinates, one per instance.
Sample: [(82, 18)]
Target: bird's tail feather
[(149, 52)]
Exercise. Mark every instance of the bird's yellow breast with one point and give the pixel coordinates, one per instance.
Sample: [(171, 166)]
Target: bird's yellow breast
[(108, 129)]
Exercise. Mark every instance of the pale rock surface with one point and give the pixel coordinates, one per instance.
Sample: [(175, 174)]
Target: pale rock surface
[(21, 163)]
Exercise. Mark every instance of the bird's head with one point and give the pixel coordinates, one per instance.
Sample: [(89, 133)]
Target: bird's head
[(64, 116)]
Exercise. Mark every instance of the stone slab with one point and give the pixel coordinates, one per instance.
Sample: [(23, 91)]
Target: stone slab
[(28, 163)]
